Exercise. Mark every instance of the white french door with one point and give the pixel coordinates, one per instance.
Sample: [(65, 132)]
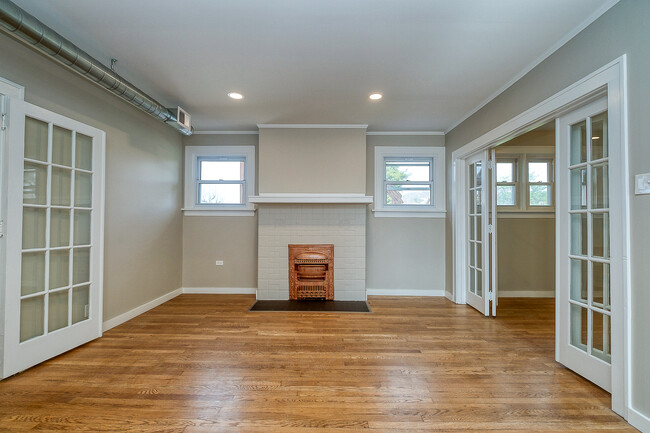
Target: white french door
[(477, 246), (584, 308), (492, 230), (54, 235)]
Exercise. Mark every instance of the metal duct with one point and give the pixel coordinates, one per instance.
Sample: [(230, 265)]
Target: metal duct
[(27, 28)]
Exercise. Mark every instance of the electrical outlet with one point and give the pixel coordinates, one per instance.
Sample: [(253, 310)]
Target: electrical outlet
[(86, 311), (219, 262)]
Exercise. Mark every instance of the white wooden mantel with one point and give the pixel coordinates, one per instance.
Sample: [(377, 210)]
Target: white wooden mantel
[(276, 198)]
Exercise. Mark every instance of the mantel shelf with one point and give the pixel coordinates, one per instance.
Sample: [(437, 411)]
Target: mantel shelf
[(311, 198)]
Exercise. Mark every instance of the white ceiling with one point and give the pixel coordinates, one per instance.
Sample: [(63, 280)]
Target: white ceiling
[(316, 61)]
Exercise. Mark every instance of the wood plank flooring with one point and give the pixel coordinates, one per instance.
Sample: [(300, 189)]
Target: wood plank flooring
[(201, 363)]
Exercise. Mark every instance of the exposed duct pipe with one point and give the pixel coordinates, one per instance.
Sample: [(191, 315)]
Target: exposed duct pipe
[(27, 28)]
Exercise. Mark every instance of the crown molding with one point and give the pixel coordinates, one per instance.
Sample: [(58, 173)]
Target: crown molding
[(310, 126), (405, 133), (570, 35), (226, 132)]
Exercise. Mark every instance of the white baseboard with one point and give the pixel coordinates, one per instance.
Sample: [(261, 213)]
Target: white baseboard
[(527, 294), (112, 323), (449, 296), (407, 292), (220, 290), (638, 420)]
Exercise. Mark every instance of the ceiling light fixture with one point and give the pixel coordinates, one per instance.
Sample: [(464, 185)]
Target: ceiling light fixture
[(235, 95), (595, 138), (375, 96)]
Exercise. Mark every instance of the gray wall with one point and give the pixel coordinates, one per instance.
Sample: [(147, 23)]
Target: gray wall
[(231, 239), (526, 254), (312, 160), (416, 244), (623, 29), (403, 253), (142, 252)]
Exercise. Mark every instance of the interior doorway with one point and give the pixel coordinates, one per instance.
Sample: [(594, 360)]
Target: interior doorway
[(524, 259), (583, 324)]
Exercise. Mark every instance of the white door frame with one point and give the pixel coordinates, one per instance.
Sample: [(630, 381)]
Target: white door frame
[(8, 89), (612, 80)]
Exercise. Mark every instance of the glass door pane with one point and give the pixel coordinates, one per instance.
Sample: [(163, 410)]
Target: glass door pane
[(477, 251), (589, 238), (57, 221)]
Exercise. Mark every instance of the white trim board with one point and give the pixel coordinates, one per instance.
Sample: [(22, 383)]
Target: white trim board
[(275, 198), (638, 420), (11, 89), (405, 133), (387, 213), (404, 292), (125, 317), (310, 126), (219, 290), (226, 133), (526, 294), (590, 19), (397, 133)]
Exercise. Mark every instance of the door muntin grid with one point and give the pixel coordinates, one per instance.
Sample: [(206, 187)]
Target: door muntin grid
[(474, 228), (589, 252), (57, 229)]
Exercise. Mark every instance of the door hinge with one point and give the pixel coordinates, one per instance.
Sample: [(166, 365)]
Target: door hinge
[(3, 125), (490, 229), (490, 165)]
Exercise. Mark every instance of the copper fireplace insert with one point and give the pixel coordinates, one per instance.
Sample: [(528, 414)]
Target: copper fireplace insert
[(311, 271)]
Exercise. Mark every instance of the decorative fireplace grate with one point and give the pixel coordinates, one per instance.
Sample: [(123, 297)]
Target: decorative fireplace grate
[(311, 271)]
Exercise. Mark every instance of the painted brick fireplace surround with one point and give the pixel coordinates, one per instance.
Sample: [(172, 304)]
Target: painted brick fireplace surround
[(343, 225)]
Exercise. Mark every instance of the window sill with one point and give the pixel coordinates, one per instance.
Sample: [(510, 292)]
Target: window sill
[(219, 212), (525, 214), (392, 213)]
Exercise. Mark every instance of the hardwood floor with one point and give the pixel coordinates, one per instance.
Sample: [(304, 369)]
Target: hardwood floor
[(202, 363)]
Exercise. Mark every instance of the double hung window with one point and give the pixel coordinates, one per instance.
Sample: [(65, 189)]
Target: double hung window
[(409, 181), (525, 183), (219, 179)]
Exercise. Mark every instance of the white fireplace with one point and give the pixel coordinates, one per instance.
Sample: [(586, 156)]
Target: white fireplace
[(312, 184), (340, 224)]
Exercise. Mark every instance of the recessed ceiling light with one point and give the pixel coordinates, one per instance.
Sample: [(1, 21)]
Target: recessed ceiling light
[(235, 95), (375, 96)]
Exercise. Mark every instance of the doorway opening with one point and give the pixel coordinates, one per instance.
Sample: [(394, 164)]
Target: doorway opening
[(591, 195)]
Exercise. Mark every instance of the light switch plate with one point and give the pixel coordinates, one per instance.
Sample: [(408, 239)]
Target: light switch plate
[(219, 262), (642, 184)]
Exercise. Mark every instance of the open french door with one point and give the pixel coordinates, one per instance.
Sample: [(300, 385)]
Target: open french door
[(492, 230), (586, 260), (477, 249), (53, 220)]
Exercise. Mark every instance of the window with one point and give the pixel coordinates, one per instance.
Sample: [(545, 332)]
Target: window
[(409, 181), (525, 182), (219, 179), (540, 186), (507, 182)]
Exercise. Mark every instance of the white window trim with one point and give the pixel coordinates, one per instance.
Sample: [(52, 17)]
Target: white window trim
[(192, 156), (437, 209), (522, 155), (515, 161)]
